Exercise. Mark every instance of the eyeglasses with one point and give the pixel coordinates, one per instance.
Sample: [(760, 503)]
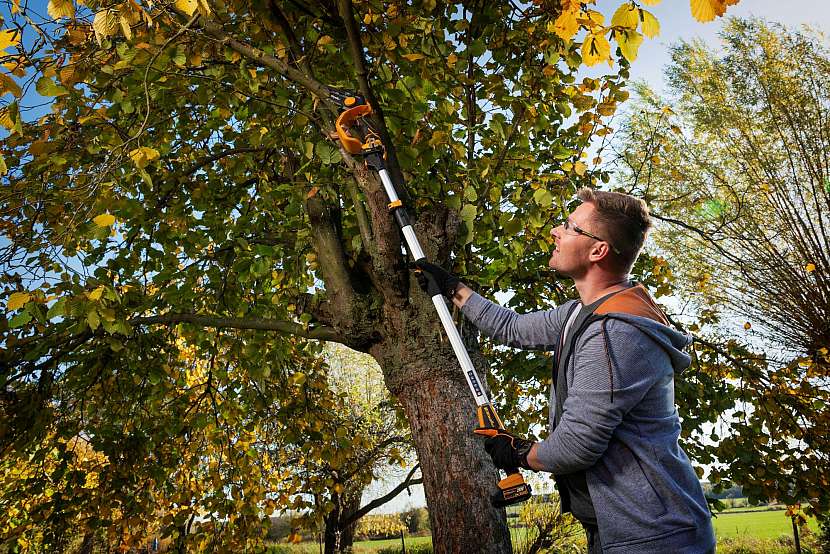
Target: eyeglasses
[(579, 230)]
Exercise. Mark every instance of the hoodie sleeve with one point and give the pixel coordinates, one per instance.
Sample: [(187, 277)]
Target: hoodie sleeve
[(603, 389), (533, 331)]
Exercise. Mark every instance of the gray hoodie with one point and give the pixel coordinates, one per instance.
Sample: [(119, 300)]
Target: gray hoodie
[(645, 493)]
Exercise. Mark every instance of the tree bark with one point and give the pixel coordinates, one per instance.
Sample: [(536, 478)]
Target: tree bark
[(458, 475)]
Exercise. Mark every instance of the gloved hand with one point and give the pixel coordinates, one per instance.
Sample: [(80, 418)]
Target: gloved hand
[(507, 450), (434, 279)]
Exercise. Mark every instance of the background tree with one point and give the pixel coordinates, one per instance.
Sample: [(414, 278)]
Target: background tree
[(737, 170), (362, 439), (184, 184)]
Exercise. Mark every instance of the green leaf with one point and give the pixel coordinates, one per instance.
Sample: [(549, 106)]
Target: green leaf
[(468, 215), (47, 87), (327, 153), (93, 320), (543, 197), (20, 320)]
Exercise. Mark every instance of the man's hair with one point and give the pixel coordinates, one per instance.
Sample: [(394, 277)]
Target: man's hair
[(622, 220)]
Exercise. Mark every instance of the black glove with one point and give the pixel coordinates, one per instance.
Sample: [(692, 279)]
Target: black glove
[(507, 450), (434, 279)]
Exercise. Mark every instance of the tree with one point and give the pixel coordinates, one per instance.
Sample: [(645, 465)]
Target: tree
[(184, 185), (366, 432), (737, 171)]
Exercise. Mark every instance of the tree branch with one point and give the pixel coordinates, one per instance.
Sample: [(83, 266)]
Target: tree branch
[(408, 482), (284, 327)]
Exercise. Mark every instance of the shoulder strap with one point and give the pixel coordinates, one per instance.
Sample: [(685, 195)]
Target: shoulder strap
[(566, 344)]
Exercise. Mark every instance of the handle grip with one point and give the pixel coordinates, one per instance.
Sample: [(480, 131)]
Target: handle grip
[(512, 489)]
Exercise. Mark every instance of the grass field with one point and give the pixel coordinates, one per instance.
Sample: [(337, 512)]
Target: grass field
[(731, 524), (761, 525)]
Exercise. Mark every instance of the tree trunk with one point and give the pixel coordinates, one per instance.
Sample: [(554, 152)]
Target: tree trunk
[(338, 536), (458, 475)]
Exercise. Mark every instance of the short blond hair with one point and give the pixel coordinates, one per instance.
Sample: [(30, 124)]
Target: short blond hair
[(622, 220)]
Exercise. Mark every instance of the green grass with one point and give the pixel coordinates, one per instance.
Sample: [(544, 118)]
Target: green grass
[(761, 525)]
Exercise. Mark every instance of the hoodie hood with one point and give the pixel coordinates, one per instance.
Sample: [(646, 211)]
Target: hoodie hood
[(636, 307)]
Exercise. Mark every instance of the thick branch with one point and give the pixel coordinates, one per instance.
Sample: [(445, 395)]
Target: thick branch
[(329, 248), (215, 30), (284, 327), (408, 482)]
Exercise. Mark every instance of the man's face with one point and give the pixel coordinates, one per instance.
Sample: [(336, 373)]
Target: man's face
[(573, 250)]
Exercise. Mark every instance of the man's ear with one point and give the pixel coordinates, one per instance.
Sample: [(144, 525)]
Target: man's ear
[(599, 251)]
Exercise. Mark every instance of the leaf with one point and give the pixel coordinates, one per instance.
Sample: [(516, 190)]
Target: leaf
[(105, 24), (61, 8), (414, 57), (10, 118), (629, 42), (93, 320), (95, 295), (47, 87), (468, 216), (809, 268), (3, 167), (7, 84), (747, 326), (596, 49), (104, 220), (143, 155), (626, 17), (543, 197), (651, 27), (312, 192), (187, 6), (125, 27), (651, 2), (20, 320), (327, 153), (8, 37), (706, 10), (567, 24), (580, 168), (17, 300)]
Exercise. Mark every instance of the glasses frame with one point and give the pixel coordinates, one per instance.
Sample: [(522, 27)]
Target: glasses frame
[(569, 225)]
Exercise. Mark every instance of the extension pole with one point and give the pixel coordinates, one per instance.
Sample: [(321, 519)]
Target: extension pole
[(513, 488)]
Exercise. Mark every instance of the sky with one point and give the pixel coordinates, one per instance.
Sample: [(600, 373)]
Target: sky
[(676, 24)]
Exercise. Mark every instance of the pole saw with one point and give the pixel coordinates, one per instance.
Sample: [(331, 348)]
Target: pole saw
[(512, 489)]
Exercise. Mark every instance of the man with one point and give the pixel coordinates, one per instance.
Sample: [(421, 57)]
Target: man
[(613, 443)]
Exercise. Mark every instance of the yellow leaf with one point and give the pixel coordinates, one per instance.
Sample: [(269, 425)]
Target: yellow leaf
[(747, 326), (629, 42), (580, 168), (566, 24), (592, 20), (707, 10), (61, 8), (125, 27), (104, 220), (7, 84), (187, 6), (8, 37), (650, 2), (143, 156), (414, 57), (451, 59), (96, 294), (294, 538), (651, 27), (626, 17), (809, 268), (15, 6), (17, 300), (105, 24), (596, 49)]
